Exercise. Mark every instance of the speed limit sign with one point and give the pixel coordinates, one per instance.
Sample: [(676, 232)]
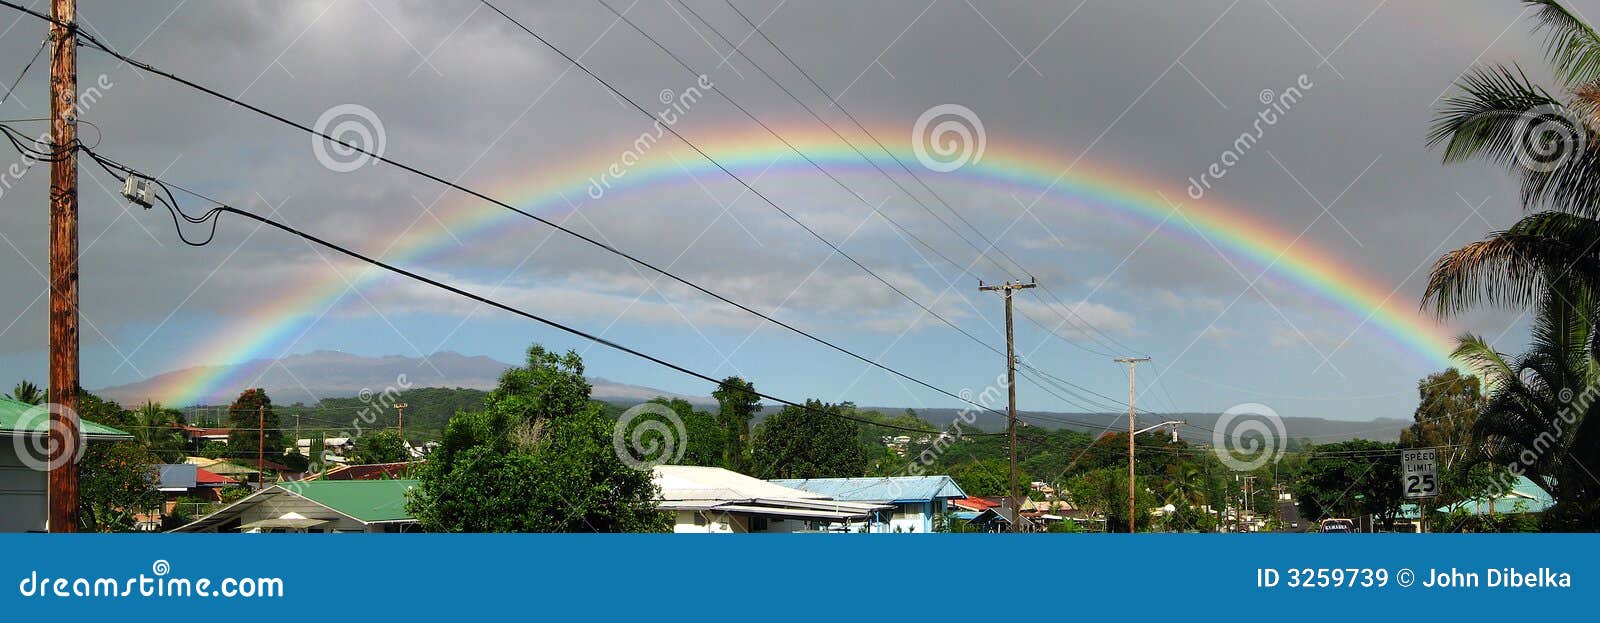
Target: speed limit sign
[(1419, 472)]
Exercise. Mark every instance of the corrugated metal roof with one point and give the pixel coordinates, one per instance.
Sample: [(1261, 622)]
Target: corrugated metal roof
[(365, 500), (879, 489), (688, 482), (20, 417)]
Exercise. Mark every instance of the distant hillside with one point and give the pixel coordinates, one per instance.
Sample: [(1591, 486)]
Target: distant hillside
[(319, 375), (1317, 430), (440, 388)]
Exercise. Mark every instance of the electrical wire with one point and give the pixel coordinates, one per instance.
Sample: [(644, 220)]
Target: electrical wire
[(221, 208), (990, 244), (94, 42), (24, 72)]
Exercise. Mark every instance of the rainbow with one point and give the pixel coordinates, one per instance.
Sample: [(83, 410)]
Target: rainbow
[(1011, 166)]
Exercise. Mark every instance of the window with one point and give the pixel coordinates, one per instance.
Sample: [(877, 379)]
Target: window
[(758, 524)]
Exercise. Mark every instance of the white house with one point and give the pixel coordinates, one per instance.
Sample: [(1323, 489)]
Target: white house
[(712, 499), (23, 507)]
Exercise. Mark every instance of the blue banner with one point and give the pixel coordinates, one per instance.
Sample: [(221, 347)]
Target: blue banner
[(791, 577)]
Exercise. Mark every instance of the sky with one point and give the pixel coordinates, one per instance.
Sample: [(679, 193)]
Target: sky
[(1094, 144)]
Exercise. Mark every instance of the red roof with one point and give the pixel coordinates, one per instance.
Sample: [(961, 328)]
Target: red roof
[(195, 431), (974, 504), (375, 471), (205, 477)]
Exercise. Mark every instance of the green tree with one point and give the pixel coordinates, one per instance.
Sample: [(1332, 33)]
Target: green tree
[(1105, 492), (538, 458), (737, 404), (813, 442), (1540, 417), (703, 437), (26, 391), (384, 446), (156, 427), (253, 423), (1349, 479), (988, 478), (1447, 413), (116, 480)]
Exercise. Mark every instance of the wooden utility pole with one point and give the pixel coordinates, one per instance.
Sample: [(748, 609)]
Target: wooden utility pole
[(1132, 370), (63, 390), (1005, 290), (400, 411), (261, 445)]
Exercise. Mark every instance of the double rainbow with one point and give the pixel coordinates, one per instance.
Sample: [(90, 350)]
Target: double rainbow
[(1010, 166)]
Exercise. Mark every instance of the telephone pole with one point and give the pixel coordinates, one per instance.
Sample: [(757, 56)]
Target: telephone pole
[(1133, 363), (63, 387), (1005, 290), (400, 411), (261, 445)]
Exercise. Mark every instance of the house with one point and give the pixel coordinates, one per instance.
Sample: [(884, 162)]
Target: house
[(334, 449), (1524, 496), (223, 468), (316, 506), (712, 499), (374, 471), (23, 480), (1000, 519), (917, 500), (197, 437), (184, 479)]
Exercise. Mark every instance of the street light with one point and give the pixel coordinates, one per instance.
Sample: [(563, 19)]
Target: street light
[(1131, 435)]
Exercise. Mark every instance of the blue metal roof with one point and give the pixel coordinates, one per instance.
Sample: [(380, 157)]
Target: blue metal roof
[(880, 489), (1525, 497)]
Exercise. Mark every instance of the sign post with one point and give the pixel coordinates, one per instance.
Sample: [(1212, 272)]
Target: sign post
[(1419, 478)]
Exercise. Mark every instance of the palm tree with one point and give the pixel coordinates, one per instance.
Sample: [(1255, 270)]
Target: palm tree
[(1538, 415), (156, 428), (26, 391), (1552, 146)]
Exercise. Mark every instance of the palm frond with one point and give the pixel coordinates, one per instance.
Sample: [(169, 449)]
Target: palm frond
[(1512, 268), (1489, 117), (1484, 361), (1571, 44)]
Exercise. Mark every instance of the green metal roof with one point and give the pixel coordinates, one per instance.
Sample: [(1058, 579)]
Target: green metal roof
[(366, 500), (15, 417)]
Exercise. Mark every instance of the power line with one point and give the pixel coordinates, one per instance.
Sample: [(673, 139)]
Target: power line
[(477, 194), (42, 45), (990, 244), (222, 208), (747, 186), (982, 252)]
